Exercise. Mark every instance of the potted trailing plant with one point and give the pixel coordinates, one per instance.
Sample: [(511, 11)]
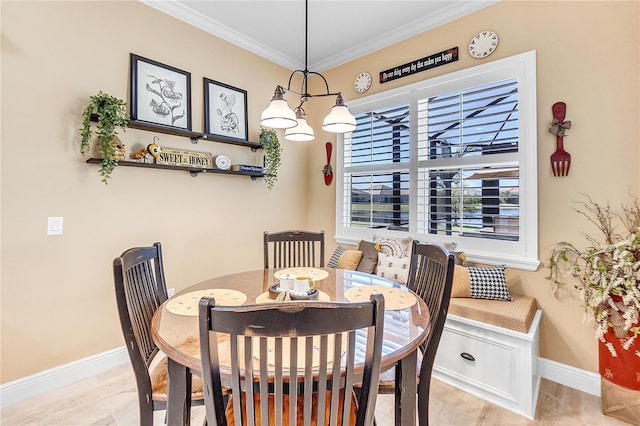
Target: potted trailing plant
[(272, 155), (111, 114), (607, 275)]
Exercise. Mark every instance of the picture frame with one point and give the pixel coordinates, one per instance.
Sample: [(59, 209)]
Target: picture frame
[(160, 94), (225, 111)]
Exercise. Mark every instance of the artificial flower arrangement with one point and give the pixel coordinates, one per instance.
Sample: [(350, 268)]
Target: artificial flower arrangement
[(607, 271)]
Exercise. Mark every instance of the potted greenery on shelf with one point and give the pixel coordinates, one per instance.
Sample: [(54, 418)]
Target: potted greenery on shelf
[(272, 155), (111, 114)]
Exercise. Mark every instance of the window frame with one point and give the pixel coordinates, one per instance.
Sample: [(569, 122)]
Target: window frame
[(521, 254)]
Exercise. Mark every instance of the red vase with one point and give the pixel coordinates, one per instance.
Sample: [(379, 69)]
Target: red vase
[(624, 369), (620, 379)]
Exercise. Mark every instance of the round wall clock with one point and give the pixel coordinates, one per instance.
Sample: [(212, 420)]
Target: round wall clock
[(483, 44), (362, 82)]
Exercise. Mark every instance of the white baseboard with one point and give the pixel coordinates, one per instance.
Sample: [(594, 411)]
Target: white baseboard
[(36, 384), (569, 376)]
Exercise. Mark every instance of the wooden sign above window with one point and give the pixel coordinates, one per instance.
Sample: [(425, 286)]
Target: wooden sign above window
[(426, 63)]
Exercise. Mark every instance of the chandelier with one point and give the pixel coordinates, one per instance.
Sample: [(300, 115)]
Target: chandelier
[(279, 115)]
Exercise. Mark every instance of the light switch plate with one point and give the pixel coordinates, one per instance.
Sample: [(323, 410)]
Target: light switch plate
[(54, 225)]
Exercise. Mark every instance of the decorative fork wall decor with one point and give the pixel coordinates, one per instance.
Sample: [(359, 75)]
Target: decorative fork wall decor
[(561, 159)]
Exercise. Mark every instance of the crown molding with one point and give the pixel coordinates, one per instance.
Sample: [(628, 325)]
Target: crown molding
[(218, 29), (453, 11)]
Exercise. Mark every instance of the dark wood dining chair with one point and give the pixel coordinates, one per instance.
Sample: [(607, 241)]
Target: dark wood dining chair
[(431, 277), (140, 290), (304, 344), (294, 248)]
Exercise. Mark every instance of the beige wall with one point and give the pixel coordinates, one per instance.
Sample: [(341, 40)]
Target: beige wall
[(57, 292), (588, 55)]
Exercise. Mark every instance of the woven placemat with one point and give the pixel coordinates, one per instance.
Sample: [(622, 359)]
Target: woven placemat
[(265, 298), (394, 298), (313, 273), (187, 304)]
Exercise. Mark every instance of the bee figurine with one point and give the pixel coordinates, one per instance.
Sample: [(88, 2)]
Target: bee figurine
[(153, 149), (140, 155)]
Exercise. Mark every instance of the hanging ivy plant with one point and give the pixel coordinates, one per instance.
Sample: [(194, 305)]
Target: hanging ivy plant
[(272, 155), (112, 114)]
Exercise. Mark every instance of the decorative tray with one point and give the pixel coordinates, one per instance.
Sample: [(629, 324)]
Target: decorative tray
[(312, 293)]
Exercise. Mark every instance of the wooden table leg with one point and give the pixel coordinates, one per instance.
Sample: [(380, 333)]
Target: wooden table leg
[(406, 390), (179, 394)]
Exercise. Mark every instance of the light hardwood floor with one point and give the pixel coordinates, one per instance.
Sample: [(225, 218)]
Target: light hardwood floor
[(110, 399)]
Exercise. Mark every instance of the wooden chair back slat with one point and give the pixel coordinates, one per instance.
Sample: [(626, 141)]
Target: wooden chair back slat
[(276, 384), (335, 385), (143, 297), (288, 249)]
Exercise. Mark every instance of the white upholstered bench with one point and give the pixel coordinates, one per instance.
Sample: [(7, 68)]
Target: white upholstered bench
[(490, 349)]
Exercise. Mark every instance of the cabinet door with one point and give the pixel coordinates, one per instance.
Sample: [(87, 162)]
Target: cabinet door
[(483, 362)]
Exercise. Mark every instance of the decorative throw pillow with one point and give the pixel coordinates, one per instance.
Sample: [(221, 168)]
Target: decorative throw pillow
[(393, 267), (333, 260), (488, 283), (398, 247), (349, 259), (369, 257), (458, 257), (461, 282), (451, 247)]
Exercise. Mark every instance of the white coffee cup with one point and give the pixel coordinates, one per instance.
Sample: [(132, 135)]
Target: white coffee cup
[(287, 282)]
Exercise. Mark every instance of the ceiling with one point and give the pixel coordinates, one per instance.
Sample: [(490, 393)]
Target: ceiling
[(338, 30)]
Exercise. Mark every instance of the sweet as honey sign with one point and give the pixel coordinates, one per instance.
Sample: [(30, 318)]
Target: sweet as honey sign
[(179, 157)]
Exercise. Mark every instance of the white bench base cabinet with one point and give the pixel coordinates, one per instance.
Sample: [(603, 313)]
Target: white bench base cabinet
[(494, 363)]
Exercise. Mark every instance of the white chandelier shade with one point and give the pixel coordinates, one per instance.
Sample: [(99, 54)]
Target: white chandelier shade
[(278, 115), (302, 132), (339, 120)]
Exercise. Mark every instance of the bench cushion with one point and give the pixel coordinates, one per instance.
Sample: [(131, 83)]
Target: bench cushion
[(515, 315)]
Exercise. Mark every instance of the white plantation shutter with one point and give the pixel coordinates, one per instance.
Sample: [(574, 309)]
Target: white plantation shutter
[(460, 188), (381, 137), (451, 159), (376, 185)]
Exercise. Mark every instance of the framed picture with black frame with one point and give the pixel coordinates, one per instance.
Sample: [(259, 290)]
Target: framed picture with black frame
[(160, 94), (225, 111)]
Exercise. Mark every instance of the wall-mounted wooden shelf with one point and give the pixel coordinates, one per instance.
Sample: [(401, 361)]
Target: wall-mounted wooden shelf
[(194, 136), (193, 171)]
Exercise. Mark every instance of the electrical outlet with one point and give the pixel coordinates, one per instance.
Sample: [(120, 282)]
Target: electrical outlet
[(54, 225)]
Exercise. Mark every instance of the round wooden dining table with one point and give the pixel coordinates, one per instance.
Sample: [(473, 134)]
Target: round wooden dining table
[(174, 328)]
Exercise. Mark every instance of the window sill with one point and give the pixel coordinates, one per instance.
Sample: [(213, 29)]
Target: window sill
[(511, 261), (515, 262)]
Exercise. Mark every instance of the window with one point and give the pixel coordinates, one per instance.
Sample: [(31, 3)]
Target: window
[(447, 160)]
